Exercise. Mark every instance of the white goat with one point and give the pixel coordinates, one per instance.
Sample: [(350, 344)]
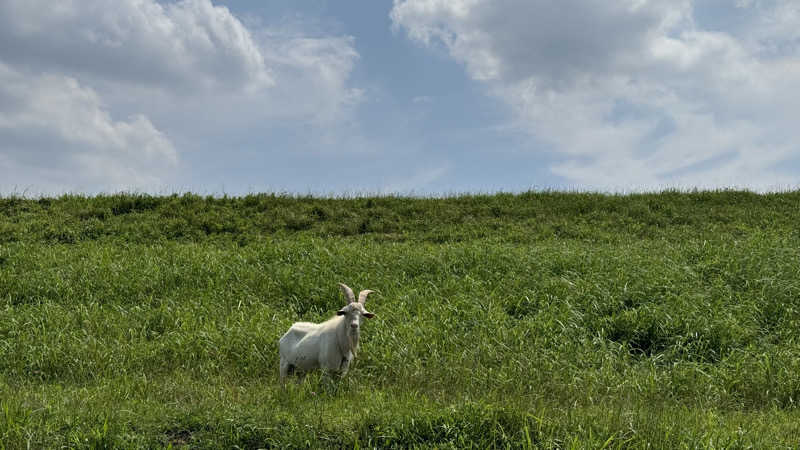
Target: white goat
[(330, 345)]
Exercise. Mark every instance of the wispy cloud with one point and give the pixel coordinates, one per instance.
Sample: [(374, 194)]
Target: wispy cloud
[(419, 182)]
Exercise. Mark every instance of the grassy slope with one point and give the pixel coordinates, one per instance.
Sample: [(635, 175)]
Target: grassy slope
[(533, 320)]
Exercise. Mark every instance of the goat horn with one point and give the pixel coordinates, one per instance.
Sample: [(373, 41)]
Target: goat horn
[(348, 293), (362, 296)]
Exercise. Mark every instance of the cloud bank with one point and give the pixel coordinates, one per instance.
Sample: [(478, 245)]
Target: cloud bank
[(54, 129), (102, 95), (634, 94)]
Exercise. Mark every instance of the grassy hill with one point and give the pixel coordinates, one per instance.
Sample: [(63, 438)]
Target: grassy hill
[(538, 320)]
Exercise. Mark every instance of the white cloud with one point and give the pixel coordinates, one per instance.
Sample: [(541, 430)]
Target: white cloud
[(58, 136), (510, 40), (116, 88), (772, 28), (312, 75), (635, 93), (185, 45)]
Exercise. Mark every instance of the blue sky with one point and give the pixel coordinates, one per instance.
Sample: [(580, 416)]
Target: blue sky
[(405, 96)]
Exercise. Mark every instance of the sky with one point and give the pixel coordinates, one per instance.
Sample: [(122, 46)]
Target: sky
[(414, 97)]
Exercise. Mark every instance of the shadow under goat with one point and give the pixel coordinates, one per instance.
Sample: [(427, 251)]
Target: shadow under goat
[(331, 345)]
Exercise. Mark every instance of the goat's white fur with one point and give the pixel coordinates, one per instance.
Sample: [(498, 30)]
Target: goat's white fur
[(330, 345)]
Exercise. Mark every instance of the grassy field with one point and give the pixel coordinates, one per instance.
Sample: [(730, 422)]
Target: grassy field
[(539, 320)]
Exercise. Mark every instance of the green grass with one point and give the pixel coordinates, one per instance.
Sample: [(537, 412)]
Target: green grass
[(538, 320)]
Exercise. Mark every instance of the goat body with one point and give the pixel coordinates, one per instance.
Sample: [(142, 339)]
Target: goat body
[(330, 345), (308, 346)]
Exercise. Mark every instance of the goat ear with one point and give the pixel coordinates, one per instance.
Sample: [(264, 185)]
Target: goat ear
[(348, 293), (341, 312), (362, 296), (369, 315)]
